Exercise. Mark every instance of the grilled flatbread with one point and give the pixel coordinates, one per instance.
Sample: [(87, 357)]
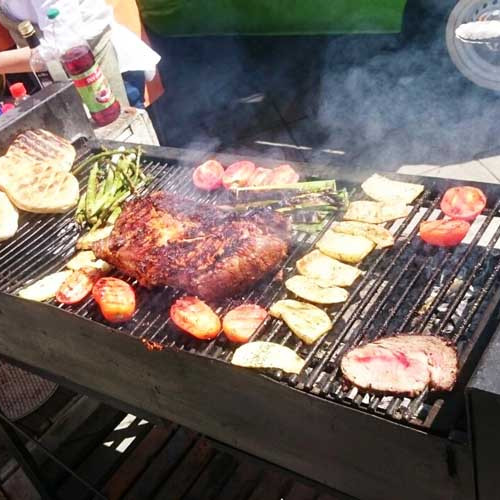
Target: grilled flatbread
[(317, 265), (38, 188), (42, 147), (375, 212), (381, 236), (380, 188), (345, 247), (9, 218)]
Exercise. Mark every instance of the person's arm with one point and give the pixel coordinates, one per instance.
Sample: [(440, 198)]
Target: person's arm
[(15, 61)]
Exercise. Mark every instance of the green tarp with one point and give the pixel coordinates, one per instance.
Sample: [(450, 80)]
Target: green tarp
[(274, 17)]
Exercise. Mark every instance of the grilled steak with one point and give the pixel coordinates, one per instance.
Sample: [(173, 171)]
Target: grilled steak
[(403, 364), (163, 239), (42, 147)]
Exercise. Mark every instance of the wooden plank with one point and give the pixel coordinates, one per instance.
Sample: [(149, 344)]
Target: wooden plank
[(325, 441), (82, 442), (242, 482), (137, 461), (104, 459), (186, 472), (213, 478), (69, 419), (164, 463)]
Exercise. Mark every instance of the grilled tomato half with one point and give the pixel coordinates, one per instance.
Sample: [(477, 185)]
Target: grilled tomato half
[(283, 174), (463, 202), (208, 176), (238, 174), (77, 285), (116, 299), (195, 317), (444, 232), (240, 323)]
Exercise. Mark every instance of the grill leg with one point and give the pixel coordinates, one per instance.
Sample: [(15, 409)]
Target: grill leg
[(17, 448)]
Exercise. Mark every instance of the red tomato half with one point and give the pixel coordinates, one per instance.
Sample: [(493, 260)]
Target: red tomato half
[(240, 323), (283, 174), (208, 175), (260, 177), (238, 174), (463, 202), (77, 286), (444, 233), (195, 317), (116, 299)]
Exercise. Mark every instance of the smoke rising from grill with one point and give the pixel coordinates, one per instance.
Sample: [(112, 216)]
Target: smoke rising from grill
[(359, 101)]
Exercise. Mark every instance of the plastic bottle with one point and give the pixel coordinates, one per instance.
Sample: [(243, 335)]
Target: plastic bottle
[(79, 62), (37, 62), (18, 92)]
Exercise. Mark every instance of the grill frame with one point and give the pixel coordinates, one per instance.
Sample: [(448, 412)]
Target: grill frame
[(324, 440), (441, 414)]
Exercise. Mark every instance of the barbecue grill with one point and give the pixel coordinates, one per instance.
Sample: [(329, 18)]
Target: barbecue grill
[(366, 445)]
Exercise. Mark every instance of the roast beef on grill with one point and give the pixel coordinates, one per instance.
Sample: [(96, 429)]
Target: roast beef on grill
[(403, 364), (164, 239)]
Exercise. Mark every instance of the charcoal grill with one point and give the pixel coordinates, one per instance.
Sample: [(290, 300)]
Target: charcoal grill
[(409, 287)]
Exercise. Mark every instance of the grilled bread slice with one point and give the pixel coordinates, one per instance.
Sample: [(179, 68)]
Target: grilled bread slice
[(8, 218), (38, 188), (43, 147)]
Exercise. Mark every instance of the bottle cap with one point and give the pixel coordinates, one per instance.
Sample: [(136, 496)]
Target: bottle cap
[(52, 13), (7, 107), (26, 29), (17, 90)]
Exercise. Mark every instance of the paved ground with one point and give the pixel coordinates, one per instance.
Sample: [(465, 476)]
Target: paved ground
[(360, 102)]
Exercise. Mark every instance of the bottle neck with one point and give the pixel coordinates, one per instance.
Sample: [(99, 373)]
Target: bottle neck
[(33, 41)]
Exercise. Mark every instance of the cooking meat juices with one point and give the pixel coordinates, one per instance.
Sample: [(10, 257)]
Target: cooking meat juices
[(164, 239)]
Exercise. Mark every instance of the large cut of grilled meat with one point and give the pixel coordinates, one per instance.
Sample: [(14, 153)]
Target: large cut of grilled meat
[(402, 364), (163, 239)]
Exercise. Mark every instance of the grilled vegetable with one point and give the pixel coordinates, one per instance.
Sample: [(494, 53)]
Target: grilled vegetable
[(46, 288), (77, 286), (240, 323), (381, 236), (87, 259), (116, 299), (260, 177), (308, 322), (381, 188), (318, 265), (267, 355), (114, 176), (86, 241), (463, 202), (283, 174), (375, 212), (238, 174), (316, 290), (195, 317), (444, 233), (281, 191), (208, 176), (345, 247)]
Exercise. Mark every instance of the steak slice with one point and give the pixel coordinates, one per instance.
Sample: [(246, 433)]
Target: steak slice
[(403, 364), (164, 239)]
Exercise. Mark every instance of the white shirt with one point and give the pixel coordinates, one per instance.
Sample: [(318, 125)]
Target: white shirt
[(92, 17)]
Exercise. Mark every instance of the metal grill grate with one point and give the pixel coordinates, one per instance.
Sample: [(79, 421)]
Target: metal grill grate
[(408, 287)]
